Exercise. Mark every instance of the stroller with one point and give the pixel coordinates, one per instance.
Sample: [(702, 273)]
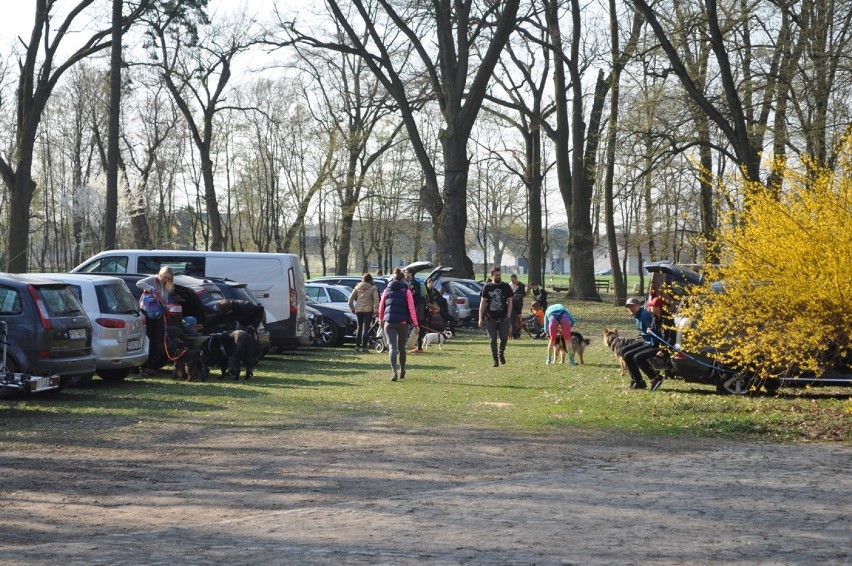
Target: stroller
[(376, 336)]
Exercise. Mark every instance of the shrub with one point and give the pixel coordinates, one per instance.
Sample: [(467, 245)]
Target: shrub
[(787, 273)]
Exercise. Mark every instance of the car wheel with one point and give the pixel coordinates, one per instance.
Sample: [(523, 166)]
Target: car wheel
[(113, 374), (731, 383), (328, 334)]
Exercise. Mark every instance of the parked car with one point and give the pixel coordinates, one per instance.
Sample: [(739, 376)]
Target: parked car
[(672, 282), (337, 324), (48, 332), (328, 294), (347, 281), (275, 279), (118, 327), (315, 325), (191, 297), (470, 289), (463, 297)]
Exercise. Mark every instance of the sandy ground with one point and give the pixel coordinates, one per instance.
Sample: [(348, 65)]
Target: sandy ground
[(372, 494)]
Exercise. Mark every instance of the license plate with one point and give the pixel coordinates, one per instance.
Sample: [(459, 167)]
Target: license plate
[(77, 334), (134, 344), (42, 383)]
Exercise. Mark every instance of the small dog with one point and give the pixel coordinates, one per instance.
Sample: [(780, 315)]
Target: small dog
[(616, 343), (578, 345), (436, 338)]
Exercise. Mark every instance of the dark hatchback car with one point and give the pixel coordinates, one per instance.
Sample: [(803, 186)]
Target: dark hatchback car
[(237, 291), (48, 332), (191, 297)]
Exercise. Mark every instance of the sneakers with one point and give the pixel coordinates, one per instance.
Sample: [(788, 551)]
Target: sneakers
[(656, 382), (394, 377), (402, 375), (548, 362), (638, 385), (496, 364), (502, 358), (572, 363)]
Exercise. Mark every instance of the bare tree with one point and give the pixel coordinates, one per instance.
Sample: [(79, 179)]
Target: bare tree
[(452, 28)]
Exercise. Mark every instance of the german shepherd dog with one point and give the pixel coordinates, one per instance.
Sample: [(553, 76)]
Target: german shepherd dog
[(188, 366), (616, 343), (578, 345)]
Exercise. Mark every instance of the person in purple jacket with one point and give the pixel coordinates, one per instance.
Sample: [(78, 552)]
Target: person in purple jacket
[(396, 311)]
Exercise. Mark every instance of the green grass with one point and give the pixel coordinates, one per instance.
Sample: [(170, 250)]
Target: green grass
[(457, 387)]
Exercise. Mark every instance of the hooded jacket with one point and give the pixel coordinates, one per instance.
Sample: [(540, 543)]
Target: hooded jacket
[(364, 298)]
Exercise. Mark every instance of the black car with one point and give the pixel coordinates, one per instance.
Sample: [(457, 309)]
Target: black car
[(47, 333), (337, 324), (237, 291), (191, 297)]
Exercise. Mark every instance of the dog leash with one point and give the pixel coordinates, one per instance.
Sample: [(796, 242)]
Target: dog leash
[(693, 358)]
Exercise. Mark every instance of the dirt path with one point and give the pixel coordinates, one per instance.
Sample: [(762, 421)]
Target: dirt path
[(375, 495)]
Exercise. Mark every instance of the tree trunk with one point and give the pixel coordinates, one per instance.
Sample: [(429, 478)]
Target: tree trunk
[(452, 249), (111, 204)]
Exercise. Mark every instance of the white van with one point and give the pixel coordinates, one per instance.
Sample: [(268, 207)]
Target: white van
[(275, 279)]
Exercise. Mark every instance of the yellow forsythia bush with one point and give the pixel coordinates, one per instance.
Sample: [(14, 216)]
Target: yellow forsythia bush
[(786, 265)]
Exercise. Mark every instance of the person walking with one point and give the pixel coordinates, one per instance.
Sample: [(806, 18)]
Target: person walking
[(419, 297), (364, 302), (396, 311), (558, 319), (160, 287), (519, 291), (495, 313)]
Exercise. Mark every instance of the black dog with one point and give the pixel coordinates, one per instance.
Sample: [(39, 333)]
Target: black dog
[(229, 351), (189, 366)]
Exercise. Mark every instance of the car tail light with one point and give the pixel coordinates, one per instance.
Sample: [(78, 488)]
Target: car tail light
[(43, 314), (460, 300), (679, 355), (111, 322), (294, 309)]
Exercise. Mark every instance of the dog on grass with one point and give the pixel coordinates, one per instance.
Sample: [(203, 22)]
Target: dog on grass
[(436, 338), (188, 366), (229, 351), (578, 345), (617, 344)]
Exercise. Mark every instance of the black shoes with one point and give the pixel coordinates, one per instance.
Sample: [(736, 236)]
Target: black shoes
[(496, 364), (502, 358), (638, 385), (656, 382), (394, 377), (401, 375)]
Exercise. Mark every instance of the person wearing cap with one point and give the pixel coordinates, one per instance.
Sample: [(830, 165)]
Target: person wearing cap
[(636, 356)]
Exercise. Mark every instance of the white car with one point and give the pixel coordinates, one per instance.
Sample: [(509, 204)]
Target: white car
[(328, 294), (118, 327)]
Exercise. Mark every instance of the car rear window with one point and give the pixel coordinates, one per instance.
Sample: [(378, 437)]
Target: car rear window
[(115, 298), (242, 294), (10, 301), (59, 301)]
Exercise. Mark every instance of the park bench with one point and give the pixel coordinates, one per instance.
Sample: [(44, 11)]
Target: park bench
[(602, 285)]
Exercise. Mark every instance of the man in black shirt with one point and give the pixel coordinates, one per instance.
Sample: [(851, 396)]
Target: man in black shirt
[(495, 313), (519, 292)]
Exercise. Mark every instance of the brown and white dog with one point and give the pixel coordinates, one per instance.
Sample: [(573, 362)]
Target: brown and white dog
[(616, 343), (436, 338)]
